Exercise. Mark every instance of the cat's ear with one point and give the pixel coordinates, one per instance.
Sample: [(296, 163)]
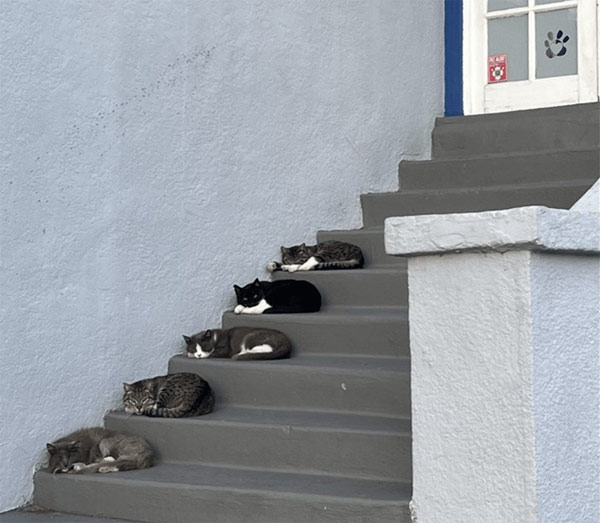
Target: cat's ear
[(75, 445), (303, 245), (256, 282), (237, 290), (127, 387), (208, 333), (283, 249), (187, 339), (51, 449)]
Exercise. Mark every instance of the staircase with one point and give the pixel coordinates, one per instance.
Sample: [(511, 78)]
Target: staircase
[(325, 436)]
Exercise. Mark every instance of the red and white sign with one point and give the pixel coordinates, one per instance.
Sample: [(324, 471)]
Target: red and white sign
[(497, 68)]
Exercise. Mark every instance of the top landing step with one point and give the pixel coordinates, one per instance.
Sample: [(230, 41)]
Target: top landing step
[(569, 127)]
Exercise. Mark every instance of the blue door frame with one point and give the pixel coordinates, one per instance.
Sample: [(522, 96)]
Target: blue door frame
[(453, 41)]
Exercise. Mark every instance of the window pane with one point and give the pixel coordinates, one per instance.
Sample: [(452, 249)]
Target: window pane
[(556, 43), (539, 2), (509, 36), (496, 5)]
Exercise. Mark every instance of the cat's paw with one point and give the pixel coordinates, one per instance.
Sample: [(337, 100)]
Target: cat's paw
[(292, 268), (108, 458), (77, 467), (108, 468), (238, 309), (273, 266)]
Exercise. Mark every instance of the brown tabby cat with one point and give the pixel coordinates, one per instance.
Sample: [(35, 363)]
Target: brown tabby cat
[(330, 254), (171, 396)]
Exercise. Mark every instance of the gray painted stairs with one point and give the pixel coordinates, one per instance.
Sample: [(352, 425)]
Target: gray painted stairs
[(325, 436)]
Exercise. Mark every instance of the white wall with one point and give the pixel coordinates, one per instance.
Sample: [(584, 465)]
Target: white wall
[(155, 152), (565, 317), (505, 364), (471, 382)]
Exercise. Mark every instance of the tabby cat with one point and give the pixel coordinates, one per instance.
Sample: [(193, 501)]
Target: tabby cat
[(171, 396), (239, 343), (277, 297), (330, 254), (98, 450)]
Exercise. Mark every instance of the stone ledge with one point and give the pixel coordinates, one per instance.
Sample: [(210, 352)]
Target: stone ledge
[(532, 228)]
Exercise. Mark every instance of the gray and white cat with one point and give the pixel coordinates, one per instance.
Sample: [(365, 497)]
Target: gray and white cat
[(330, 254), (98, 450), (171, 396), (239, 343)]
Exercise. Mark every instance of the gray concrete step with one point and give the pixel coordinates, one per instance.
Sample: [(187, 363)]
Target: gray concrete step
[(370, 240), (198, 493), (37, 515), (378, 207), (371, 331), (514, 169), (356, 287), (310, 442), (354, 384), (556, 128)]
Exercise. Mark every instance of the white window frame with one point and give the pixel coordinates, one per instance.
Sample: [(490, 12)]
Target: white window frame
[(478, 97)]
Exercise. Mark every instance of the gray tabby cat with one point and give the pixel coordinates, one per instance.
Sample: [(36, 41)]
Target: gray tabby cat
[(239, 343), (330, 254), (171, 396), (98, 450)]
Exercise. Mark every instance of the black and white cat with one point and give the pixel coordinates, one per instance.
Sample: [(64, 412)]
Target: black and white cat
[(325, 255), (277, 297), (172, 396), (96, 449), (239, 343)]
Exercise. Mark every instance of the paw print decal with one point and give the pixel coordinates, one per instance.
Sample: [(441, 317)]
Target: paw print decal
[(556, 46)]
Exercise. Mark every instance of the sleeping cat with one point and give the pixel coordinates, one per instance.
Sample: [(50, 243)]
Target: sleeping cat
[(277, 297), (239, 343), (98, 450), (171, 396), (325, 255)]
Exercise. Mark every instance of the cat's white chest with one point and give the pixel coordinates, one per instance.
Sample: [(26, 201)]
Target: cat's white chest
[(199, 353), (259, 308)]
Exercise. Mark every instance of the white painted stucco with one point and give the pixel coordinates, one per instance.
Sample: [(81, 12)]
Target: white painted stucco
[(565, 318), (471, 381), (590, 201), (535, 227), (505, 354), (154, 153)]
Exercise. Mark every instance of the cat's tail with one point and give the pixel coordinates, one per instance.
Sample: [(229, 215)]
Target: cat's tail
[(354, 263)]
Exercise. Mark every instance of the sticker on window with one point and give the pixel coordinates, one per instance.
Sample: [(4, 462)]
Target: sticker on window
[(497, 68)]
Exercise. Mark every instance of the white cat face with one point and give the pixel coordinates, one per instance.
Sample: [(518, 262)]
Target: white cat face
[(201, 345)]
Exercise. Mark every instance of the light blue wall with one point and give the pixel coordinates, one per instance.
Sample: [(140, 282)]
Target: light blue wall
[(155, 152)]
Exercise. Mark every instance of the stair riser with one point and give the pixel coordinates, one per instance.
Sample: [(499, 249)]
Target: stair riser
[(508, 170), (282, 448), (371, 244), (378, 207), (258, 385), (355, 288), (168, 502), (377, 338), (570, 127)]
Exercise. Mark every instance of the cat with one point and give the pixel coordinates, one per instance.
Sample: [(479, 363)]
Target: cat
[(239, 343), (171, 396), (98, 450), (330, 254), (277, 297)]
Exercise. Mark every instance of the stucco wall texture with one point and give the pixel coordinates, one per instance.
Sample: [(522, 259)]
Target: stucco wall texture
[(156, 152)]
